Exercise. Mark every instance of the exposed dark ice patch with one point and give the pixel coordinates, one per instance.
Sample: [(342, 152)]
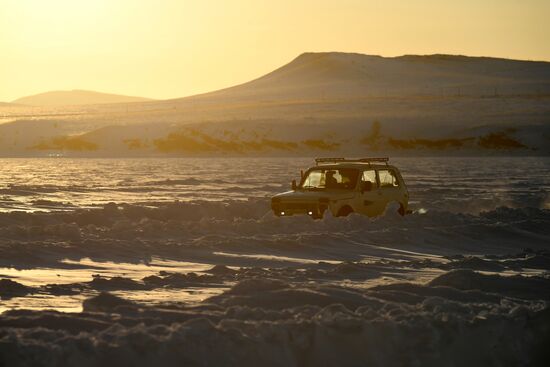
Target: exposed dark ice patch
[(519, 286), (10, 288)]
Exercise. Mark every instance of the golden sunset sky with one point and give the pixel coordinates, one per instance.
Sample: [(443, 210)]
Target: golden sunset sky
[(174, 48)]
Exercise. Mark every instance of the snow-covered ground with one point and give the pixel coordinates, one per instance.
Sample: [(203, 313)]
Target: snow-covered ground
[(215, 279)]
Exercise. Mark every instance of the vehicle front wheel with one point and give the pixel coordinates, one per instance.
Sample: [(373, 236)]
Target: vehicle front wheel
[(318, 214), (344, 211)]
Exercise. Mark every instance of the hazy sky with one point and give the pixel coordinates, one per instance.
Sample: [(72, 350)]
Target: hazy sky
[(174, 48)]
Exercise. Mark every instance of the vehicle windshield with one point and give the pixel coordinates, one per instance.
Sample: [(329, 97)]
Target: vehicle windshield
[(330, 178)]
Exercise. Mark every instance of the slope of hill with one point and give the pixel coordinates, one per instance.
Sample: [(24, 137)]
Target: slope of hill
[(76, 97), (338, 75), (7, 104)]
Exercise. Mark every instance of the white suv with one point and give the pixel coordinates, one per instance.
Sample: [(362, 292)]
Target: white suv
[(343, 186)]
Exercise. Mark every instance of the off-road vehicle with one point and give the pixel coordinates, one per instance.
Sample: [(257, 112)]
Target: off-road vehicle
[(344, 186)]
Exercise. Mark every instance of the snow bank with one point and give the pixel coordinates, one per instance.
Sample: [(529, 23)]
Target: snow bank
[(268, 322), (177, 229)]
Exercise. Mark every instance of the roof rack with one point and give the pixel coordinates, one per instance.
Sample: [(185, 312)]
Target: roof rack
[(358, 160)]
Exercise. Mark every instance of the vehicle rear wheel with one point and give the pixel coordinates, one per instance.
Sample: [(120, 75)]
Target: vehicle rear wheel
[(344, 211), (401, 210)]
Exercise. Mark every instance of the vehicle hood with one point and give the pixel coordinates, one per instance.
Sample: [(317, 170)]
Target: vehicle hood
[(306, 195)]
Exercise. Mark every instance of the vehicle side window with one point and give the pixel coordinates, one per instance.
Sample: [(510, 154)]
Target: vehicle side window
[(337, 178), (369, 176), (387, 178)]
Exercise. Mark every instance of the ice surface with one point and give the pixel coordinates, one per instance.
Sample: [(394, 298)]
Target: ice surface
[(216, 279), (460, 184)]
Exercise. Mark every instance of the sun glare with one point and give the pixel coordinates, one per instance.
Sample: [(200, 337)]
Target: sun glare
[(35, 24), (61, 10)]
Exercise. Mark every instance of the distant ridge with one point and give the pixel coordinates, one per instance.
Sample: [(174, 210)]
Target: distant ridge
[(76, 97), (325, 75), (337, 75)]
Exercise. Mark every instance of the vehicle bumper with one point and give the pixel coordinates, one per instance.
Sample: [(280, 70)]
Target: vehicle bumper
[(314, 209)]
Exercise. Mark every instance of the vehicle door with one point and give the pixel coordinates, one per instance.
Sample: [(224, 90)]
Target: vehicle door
[(389, 187), (371, 201)]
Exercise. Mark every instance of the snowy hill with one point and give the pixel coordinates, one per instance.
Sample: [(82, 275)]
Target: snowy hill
[(75, 97)]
